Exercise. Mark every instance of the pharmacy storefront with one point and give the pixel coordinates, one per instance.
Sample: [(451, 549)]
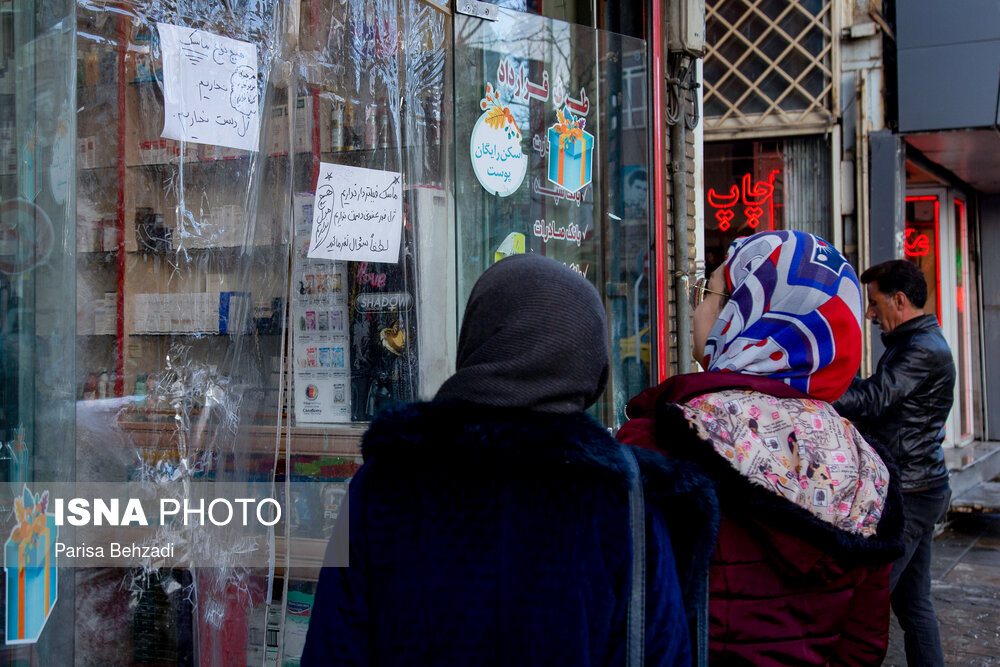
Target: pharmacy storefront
[(230, 233)]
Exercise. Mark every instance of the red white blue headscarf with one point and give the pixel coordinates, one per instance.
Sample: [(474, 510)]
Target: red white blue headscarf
[(794, 314)]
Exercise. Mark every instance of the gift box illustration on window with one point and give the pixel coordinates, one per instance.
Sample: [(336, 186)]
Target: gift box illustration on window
[(30, 566), (571, 153)]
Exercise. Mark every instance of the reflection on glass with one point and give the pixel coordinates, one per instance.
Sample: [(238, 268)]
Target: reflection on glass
[(962, 298), (551, 158)]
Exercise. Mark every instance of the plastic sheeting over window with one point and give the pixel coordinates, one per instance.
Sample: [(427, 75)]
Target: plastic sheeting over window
[(213, 347), (182, 255)]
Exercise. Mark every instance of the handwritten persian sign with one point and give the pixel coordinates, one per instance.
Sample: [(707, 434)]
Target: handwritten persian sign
[(210, 90), (495, 148), (357, 214)]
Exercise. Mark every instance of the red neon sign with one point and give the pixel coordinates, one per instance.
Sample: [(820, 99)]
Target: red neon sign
[(916, 244), (926, 239), (757, 199)]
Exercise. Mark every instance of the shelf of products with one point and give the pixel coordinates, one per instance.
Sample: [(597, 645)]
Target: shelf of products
[(208, 340)]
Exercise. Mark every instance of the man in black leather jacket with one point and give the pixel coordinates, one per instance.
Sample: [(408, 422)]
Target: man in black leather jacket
[(905, 405)]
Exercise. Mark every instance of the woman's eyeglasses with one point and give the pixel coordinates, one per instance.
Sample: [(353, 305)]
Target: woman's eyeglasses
[(698, 289)]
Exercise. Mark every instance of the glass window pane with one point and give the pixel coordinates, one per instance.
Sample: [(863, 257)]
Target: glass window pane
[(583, 202), (921, 245), (962, 300)]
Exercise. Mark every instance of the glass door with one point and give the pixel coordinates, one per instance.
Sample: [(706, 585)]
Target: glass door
[(936, 240), (552, 157), (964, 422), (37, 221)]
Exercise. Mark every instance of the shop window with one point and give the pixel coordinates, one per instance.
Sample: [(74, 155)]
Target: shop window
[(543, 167), (634, 87), (163, 319), (769, 64), (755, 186), (932, 238), (963, 322), (921, 245)]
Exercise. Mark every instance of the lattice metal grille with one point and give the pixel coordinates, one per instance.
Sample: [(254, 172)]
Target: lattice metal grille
[(769, 66)]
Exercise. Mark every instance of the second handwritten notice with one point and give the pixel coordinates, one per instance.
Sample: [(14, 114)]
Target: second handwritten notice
[(357, 215), (211, 94)]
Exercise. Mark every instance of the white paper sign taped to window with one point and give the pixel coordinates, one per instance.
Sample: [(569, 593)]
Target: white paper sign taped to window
[(211, 94), (357, 214)]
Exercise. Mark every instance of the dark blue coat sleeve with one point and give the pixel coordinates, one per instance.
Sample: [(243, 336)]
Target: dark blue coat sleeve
[(667, 639), (339, 627)]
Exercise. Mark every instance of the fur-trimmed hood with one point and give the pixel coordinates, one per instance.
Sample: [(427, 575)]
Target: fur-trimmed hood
[(744, 500), (457, 435)]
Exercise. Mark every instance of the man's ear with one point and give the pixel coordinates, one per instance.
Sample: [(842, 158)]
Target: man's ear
[(900, 301)]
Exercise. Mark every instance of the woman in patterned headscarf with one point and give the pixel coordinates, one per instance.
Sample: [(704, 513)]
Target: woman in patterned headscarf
[(810, 511)]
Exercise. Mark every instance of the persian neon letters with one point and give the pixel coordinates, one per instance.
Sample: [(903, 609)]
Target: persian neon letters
[(495, 149), (756, 199), (916, 243)]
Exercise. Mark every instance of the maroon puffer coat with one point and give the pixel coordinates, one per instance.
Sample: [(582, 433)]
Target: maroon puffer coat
[(785, 587)]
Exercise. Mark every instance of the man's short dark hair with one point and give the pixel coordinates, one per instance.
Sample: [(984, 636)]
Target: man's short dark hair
[(898, 275)]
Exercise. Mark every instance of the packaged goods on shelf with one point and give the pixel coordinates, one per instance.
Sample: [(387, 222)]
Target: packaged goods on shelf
[(192, 313), (277, 133)]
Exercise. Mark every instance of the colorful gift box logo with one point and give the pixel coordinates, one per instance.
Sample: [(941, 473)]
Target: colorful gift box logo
[(571, 153), (30, 566)]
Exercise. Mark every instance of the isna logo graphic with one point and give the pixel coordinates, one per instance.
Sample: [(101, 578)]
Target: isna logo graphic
[(30, 567)]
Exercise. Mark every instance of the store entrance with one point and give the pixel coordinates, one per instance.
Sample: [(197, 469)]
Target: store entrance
[(936, 240)]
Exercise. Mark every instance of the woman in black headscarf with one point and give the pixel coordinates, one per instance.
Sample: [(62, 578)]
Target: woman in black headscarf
[(491, 525)]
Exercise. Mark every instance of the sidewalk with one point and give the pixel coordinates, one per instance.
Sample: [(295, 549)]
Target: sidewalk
[(966, 593)]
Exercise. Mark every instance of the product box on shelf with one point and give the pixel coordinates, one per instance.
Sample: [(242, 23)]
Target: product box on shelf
[(86, 152), (210, 153), (109, 235), (192, 312), (8, 147), (298, 611), (106, 314), (234, 308), (151, 234), (277, 131), (89, 235), (306, 119)]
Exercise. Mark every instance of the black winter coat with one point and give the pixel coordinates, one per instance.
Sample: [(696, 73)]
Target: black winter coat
[(905, 403), (500, 536)]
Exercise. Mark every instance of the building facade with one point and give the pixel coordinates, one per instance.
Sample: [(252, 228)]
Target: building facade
[(872, 125), (230, 233)]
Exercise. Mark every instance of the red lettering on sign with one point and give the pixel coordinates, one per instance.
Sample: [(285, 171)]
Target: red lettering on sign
[(373, 279), (916, 244), (757, 198)]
